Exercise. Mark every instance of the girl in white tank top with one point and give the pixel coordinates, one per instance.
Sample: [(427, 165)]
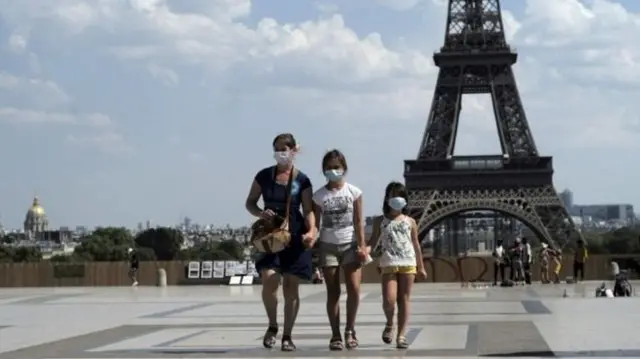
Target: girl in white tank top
[(396, 234)]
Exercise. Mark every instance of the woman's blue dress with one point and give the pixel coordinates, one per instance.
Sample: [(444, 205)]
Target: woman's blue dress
[(296, 259)]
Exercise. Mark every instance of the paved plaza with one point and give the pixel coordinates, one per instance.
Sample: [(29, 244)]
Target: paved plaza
[(228, 322)]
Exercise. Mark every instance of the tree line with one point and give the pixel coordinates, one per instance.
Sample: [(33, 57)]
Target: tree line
[(112, 244), (167, 244)]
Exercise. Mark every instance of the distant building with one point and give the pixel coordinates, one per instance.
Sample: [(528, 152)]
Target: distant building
[(567, 198), (606, 212), (35, 221)]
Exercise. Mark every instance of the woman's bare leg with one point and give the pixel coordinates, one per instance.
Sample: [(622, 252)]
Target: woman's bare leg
[(270, 284), (290, 290)]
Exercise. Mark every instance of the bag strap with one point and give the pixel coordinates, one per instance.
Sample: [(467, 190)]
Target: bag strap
[(288, 195)]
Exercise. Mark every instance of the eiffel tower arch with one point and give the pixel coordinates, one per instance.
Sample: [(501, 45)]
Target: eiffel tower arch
[(518, 183)]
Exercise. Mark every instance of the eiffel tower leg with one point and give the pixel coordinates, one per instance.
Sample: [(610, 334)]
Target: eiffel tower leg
[(554, 216), (513, 128)]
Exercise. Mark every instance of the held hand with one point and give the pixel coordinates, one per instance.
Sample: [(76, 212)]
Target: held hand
[(267, 214), (363, 252), (309, 239), (421, 274)]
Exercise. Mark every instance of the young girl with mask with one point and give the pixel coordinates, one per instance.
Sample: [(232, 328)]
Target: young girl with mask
[(401, 260), (338, 206)]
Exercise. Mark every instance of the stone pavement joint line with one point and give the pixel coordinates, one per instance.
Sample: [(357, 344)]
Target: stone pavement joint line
[(228, 322)]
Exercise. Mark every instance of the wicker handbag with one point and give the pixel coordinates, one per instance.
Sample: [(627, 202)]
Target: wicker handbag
[(272, 235)]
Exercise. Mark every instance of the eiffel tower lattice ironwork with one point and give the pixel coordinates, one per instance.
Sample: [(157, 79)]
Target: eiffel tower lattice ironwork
[(476, 59)]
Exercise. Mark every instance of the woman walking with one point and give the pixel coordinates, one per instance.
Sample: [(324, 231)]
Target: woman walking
[(294, 263)]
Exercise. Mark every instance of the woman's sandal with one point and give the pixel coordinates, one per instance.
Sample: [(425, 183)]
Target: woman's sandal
[(287, 344), (387, 334), (336, 344), (269, 339), (402, 343), (350, 339)]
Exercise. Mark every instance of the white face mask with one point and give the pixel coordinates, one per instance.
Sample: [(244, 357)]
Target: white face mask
[(282, 157), (397, 203)]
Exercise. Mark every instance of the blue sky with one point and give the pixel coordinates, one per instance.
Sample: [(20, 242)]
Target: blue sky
[(116, 112)]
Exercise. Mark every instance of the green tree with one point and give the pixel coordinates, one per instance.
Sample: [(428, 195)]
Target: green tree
[(146, 254), (61, 258), (105, 244), (27, 254), (165, 242), (233, 248), (6, 254), (9, 238), (624, 240), (596, 243), (227, 250)]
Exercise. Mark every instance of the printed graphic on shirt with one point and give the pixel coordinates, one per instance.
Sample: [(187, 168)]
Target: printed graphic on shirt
[(337, 212), (295, 188), (397, 240), (337, 206)]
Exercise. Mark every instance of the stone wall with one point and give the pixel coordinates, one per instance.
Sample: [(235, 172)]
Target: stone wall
[(442, 269)]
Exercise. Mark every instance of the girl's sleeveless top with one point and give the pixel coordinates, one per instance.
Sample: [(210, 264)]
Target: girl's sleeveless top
[(396, 244)]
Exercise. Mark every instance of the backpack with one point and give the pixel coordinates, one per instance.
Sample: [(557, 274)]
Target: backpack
[(622, 286)]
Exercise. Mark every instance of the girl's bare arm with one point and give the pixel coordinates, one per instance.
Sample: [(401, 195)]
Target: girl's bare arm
[(416, 245), (375, 233), (358, 220)]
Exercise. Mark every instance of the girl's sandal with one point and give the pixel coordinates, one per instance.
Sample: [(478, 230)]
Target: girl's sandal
[(402, 343), (350, 339), (387, 334), (269, 339), (336, 344), (287, 344)]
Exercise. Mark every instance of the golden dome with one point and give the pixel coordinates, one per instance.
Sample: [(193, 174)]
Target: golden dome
[(36, 209)]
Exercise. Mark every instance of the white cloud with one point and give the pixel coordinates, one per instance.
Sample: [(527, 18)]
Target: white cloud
[(18, 42), (326, 8), (107, 142), (218, 43), (38, 89), (399, 5), (50, 107), (22, 116), (18, 116), (373, 80), (196, 158), (163, 74), (357, 76)]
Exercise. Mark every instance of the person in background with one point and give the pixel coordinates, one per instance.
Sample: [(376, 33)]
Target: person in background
[(557, 264), (527, 259), (516, 253), (498, 262), (579, 259), (134, 265), (543, 256)]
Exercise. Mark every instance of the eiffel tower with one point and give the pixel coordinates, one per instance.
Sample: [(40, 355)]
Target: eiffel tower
[(476, 59)]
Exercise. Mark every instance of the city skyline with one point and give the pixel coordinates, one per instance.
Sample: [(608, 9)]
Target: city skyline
[(188, 222), (165, 109)]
